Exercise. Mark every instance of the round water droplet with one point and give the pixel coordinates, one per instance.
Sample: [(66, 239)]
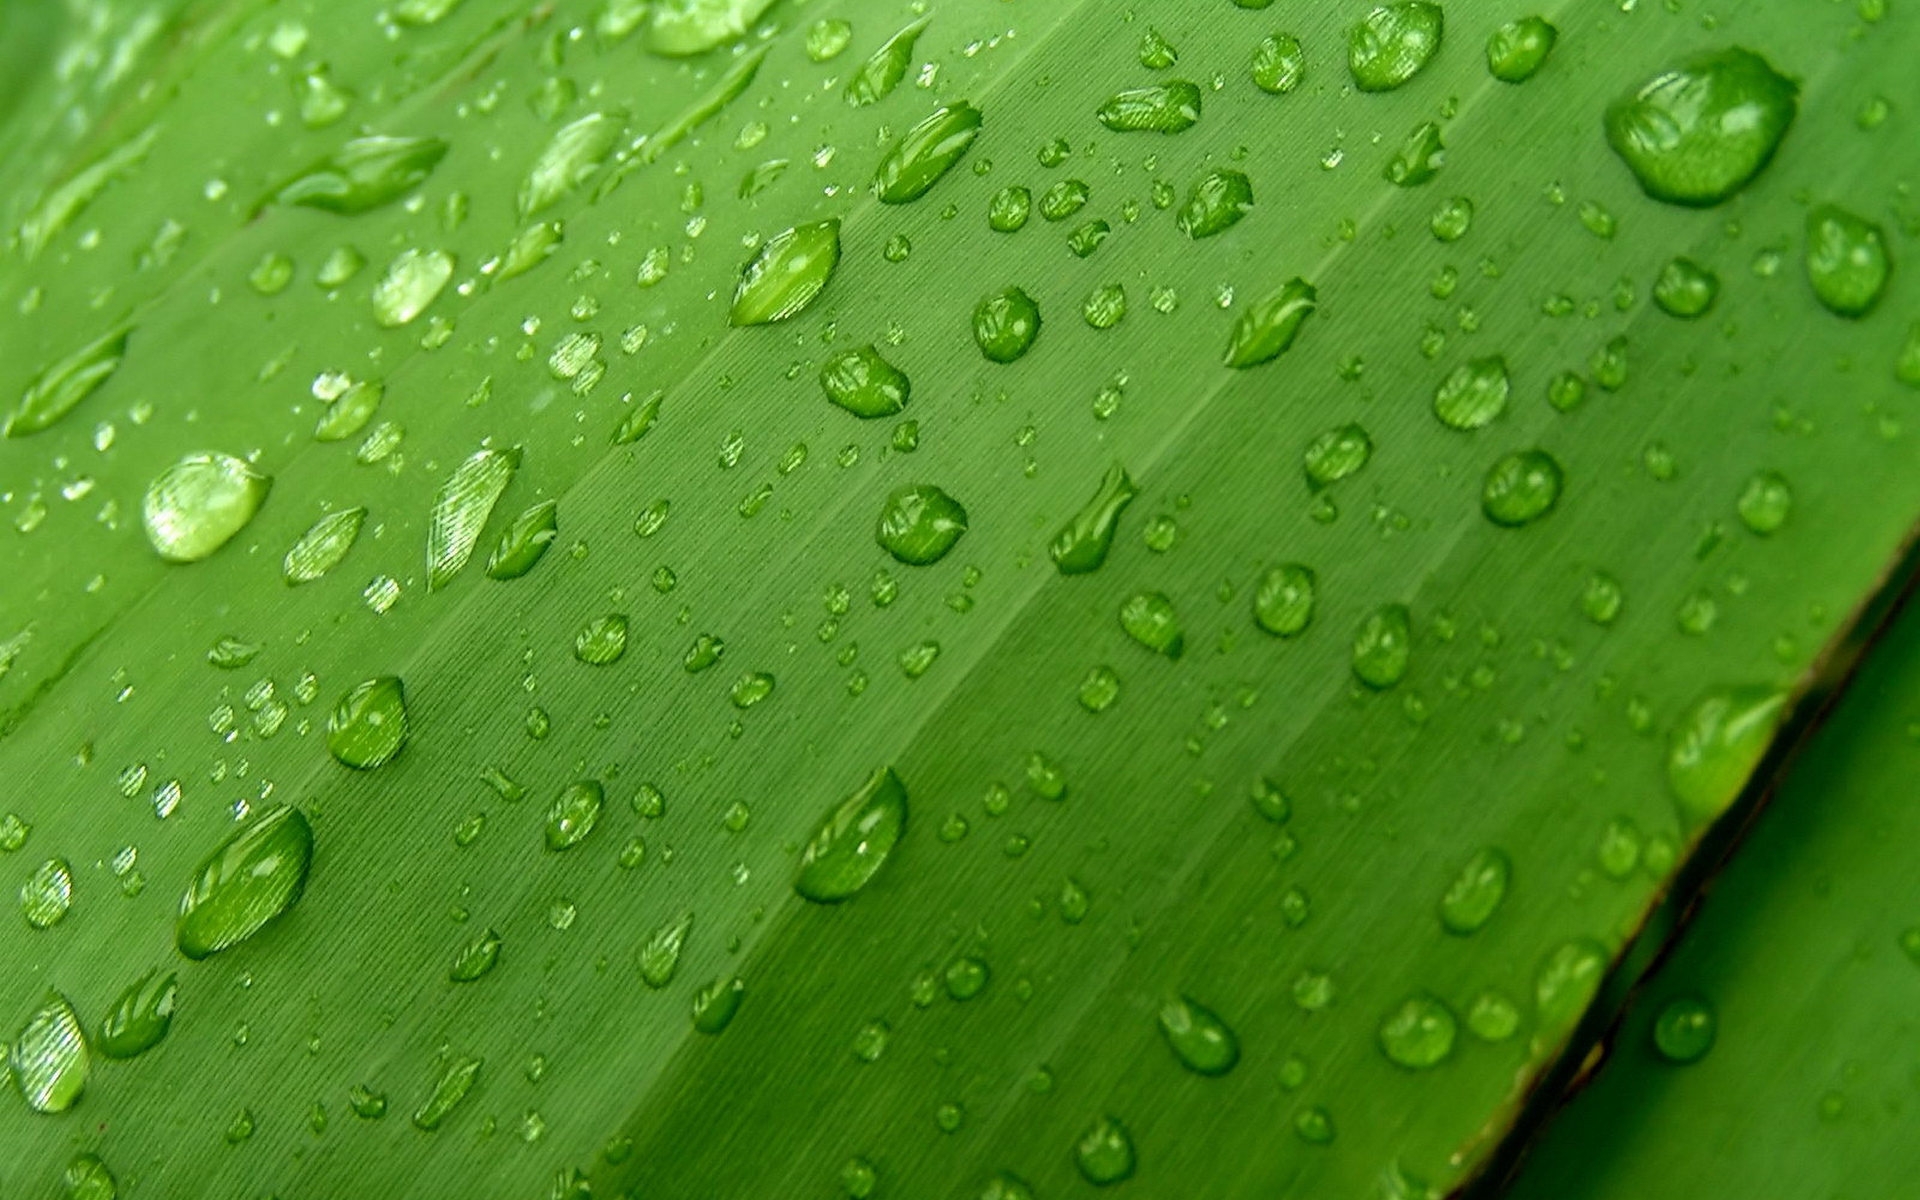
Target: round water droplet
[(1382, 647), (1337, 454), (1521, 488), (1393, 43), (250, 880), (1684, 1030), (1150, 619), (1686, 289), (47, 894), (1698, 133), (573, 814), (1217, 202), (864, 383), (1518, 49), (1474, 394), (1105, 1153), (854, 841), (1419, 1034), (1567, 981), (49, 1057), (920, 524), (198, 504), (1848, 262), (1283, 600), (1766, 502), (1006, 324), (1476, 892), (602, 641), (1202, 1042), (369, 725), (1279, 64), (1007, 211)]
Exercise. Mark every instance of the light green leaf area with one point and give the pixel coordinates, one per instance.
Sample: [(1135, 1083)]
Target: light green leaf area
[(1805, 954), (1092, 830)]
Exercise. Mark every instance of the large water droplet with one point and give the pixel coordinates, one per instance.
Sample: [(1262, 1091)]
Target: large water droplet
[(323, 545), (925, 153), (198, 504), (1161, 108), (62, 386), (854, 841), (140, 1018), (248, 881), (1393, 43), (49, 1057), (1006, 324), (920, 524), (787, 274), (1279, 64), (1202, 1042), (1521, 488), (364, 174), (1268, 328), (681, 28), (715, 1005), (1700, 132), (525, 541), (1848, 261), (1716, 746), (476, 958), (569, 160), (47, 894), (1218, 201), (1283, 600), (1518, 49), (87, 1178), (461, 509), (369, 725), (348, 412), (864, 383), (1082, 545), (1474, 394)]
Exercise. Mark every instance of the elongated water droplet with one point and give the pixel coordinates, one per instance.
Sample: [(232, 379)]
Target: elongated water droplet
[(1521, 488), (530, 247), (787, 274), (1203, 1043), (461, 510), (659, 956), (412, 281), (1698, 133), (1685, 289), (854, 840), (864, 383), (1419, 1033), (525, 541), (1476, 892), (926, 152), (1382, 647), (369, 725), (49, 1057), (248, 881), (1419, 158), (1848, 261), (574, 154), (881, 73), (200, 503), (452, 1086), (323, 545), (1684, 1029), (920, 524), (573, 814), (1717, 744), (1566, 983), (1268, 328), (62, 386), (1149, 619), (47, 894), (1105, 1153), (476, 958), (1283, 600), (1393, 43), (602, 641), (364, 174), (1082, 545), (715, 1005), (681, 28), (140, 1018), (1518, 49), (348, 413), (1217, 203), (1006, 324), (1161, 108)]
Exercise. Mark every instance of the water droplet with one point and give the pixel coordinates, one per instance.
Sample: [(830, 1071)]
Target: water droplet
[(1268, 328), (1393, 43), (1004, 1186), (60, 388), (1382, 645), (47, 894), (364, 174), (140, 1018), (569, 159), (412, 281), (1336, 455), (525, 541), (865, 383), (573, 814), (787, 274), (1008, 210), (1419, 1034), (1161, 108), (920, 524), (925, 153), (715, 1004), (1104, 1152), (1279, 64), (1684, 1029), (461, 510), (452, 1086), (682, 28), (1217, 203), (602, 640), (1567, 981), (1698, 133), (1419, 158), (1848, 261), (1156, 52), (1474, 394), (323, 545), (1006, 324), (1492, 1017), (854, 841), (248, 881), (1149, 619), (1685, 289), (1314, 1126), (750, 689), (1283, 600), (1766, 502), (828, 38), (659, 956), (476, 958), (1064, 198), (1717, 744), (200, 503), (369, 725), (49, 1057), (1476, 892), (1521, 488), (1452, 220), (1518, 49), (880, 74), (87, 1178), (1203, 1042), (349, 412), (1082, 545)]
